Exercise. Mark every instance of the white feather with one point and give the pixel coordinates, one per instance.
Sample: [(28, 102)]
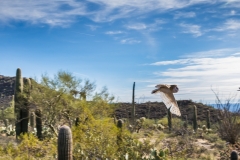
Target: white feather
[(175, 110), (166, 100)]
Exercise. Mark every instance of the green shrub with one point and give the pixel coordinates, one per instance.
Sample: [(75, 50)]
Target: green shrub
[(29, 147), (220, 144), (95, 139), (212, 137), (164, 121), (148, 123)]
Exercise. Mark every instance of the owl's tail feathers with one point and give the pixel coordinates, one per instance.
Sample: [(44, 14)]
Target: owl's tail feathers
[(155, 91)]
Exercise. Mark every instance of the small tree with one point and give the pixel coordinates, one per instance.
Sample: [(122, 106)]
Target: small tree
[(86, 89), (56, 97)]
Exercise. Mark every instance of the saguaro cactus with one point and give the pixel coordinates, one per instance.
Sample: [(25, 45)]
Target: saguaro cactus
[(234, 155), (169, 119), (185, 125), (149, 109), (162, 153), (32, 120), (208, 119), (38, 114), (133, 104), (18, 100), (6, 122), (21, 98), (120, 123), (65, 143), (77, 121), (25, 107), (195, 118), (119, 135)]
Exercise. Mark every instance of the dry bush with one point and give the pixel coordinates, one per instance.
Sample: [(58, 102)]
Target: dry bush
[(229, 115)]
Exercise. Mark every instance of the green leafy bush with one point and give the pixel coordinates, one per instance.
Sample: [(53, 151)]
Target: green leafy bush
[(29, 147)]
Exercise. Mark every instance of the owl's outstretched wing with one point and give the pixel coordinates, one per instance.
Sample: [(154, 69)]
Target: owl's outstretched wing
[(161, 88), (170, 102), (175, 110), (168, 99)]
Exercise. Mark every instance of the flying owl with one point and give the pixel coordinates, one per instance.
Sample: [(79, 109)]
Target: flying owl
[(166, 93)]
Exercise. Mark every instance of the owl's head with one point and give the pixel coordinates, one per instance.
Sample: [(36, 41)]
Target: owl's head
[(174, 88)]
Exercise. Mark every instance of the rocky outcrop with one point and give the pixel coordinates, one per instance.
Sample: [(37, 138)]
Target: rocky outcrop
[(157, 110), (7, 85)]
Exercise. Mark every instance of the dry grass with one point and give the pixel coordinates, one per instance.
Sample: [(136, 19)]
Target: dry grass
[(4, 140)]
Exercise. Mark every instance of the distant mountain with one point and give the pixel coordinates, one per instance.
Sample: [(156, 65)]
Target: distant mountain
[(157, 110)]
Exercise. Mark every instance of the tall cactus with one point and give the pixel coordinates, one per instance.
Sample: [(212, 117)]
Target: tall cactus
[(133, 104), (185, 125), (6, 122), (77, 121), (25, 108), (119, 135), (18, 99), (120, 123), (149, 109), (234, 155), (65, 146), (195, 126), (169, 120), (32, 120), (208, 119), (21, 98), (38, 114)]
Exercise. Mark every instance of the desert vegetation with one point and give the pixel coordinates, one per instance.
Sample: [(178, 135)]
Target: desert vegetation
[(53, 119)]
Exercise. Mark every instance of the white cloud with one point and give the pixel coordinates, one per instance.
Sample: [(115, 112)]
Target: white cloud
[(147, 29), (130, 41), (212, 53), (114, 32), (114, 9), (196, 76), (44, 11), (236, 54), (206, 67), (184, 15), (64, 13), (232, 24), (229, 25), (92, 27), (232, 3), (151, 27), (233, 12), (179, 61), (137, 26), (191, 29)]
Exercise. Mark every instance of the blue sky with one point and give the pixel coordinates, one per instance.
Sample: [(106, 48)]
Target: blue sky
[(192, 43)]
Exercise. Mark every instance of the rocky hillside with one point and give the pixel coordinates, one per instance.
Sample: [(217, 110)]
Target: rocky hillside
[(157, 110), (6, 86), (6, 90)]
